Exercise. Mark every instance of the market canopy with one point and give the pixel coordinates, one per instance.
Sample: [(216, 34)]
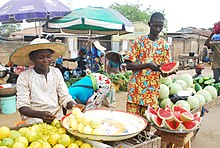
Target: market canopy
[(91, 20), (15, 11)]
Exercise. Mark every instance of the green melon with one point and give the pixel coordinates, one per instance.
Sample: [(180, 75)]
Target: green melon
[(166, 80), (166, 102), (181, 83), (200, 98), (187, 78), (184, 104), (193, 102), (174, 88), (164, 91), (206, 95), (212, 90)]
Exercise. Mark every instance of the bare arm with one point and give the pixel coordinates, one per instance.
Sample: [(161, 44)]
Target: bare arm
[(207, 42), (135, 67), (44, 115)]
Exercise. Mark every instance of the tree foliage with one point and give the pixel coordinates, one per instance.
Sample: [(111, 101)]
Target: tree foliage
[(134, 13), (7, 29)]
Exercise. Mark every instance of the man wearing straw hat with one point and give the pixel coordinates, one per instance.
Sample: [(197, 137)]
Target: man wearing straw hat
[(41, 90)]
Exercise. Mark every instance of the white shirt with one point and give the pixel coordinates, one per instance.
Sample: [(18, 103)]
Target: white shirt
[(41, 94)]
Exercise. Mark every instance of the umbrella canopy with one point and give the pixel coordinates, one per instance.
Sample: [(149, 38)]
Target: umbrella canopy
[(92, 20), (15, 11)]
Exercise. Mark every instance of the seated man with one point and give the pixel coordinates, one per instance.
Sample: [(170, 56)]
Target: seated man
[(91, 90)]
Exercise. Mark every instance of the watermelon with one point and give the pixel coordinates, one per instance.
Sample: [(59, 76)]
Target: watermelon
[(151, 110), (187, 78), (193, 102), (169, 67), (206, 95), (164, 91), (166, 80), (166, 102), (164, 114), (175, 88), (186, 116), (181, 83), (184, 104), (190, 125), (156, 120), (177, 108), (196, 116), (200, 98), (212, 90), (172, 125), (176, 116)]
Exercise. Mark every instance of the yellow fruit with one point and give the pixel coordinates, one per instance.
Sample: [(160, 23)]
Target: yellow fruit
[(87, 121), (73, 145), (86, 145), (22, 140), (53, 139), (58, 146), (64, 140), (18, 145), (35, 144), (72, 139), (7, 142), (95, 123), (79, 142), (88, 129), (4, 132), (81, 128), (31, 136), (55, 121), (23, 130), (73, 123), (14, 134), (3, 147), (75, 111), (62, 130), (35, 128), (45, 145), (80, 117)]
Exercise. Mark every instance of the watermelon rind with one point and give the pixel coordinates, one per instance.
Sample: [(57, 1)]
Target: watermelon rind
[(177, 117), (156, 120), (165, 115), (172, 125), (151, 110), (177, 108), (190, 125), (186, 116)]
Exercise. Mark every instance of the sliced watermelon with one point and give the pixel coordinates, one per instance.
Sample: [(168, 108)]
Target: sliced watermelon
[(172, 125), (156, 120), (196, 115), (163, 114), (186, 116), (177, 108), (177, 117), (190, 125), (168, 109), (169, 67), (151, 110)]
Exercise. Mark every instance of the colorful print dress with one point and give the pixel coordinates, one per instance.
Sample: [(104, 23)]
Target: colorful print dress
[(143, 88)]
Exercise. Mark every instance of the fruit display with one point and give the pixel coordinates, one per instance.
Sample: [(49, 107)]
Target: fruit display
[(187, 92), (40, 135), (175, 118), (83, 124)]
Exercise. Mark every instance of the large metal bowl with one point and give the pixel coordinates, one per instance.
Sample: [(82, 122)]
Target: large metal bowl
[(3, 73), (7, 90)]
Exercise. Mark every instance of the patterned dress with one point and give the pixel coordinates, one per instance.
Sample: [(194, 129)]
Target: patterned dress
[(143, 88)]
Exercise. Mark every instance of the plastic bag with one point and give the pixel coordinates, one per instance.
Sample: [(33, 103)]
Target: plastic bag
[(110, 100)]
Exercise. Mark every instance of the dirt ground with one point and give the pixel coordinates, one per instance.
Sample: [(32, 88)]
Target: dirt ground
[(207, 137)]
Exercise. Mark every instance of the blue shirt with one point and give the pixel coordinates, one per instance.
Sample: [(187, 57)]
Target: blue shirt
[(82, 93)]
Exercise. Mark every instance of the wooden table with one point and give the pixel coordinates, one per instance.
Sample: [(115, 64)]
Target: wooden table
[(185, 58)]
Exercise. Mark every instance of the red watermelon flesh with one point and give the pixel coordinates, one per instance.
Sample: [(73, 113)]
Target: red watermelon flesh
[(172, 125), (190, 125), (168, 109), (186, 116), (177, 117), (151, 110), (196, 115), (177, 108), (163, 114), (156, 120), (169, 67)]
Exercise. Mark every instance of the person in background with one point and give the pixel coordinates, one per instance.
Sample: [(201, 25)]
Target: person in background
[(144, 57), (198, 70), (95, 56), (91, 90), (81, 62), (41, 90), (216, 57), (114, 64)]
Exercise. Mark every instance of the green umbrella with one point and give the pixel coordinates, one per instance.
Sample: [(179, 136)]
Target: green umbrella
[(91, 20)]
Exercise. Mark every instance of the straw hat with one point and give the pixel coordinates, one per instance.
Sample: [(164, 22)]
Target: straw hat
[(21, 55), (99, 46)]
